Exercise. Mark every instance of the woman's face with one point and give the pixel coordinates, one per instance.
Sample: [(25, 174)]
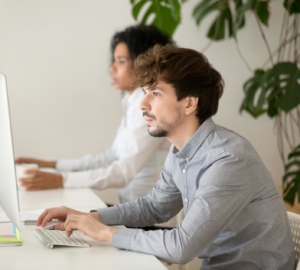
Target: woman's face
[(121, 69)]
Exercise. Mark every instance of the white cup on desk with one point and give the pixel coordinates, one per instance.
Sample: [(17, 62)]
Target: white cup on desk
[(20, 171)]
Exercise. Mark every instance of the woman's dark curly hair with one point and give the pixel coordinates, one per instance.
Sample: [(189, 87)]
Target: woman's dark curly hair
[(139, 39)]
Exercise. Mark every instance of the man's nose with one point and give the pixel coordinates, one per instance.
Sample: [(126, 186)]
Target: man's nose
[(144, 105)]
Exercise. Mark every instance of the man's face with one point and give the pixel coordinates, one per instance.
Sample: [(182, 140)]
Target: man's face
[(161, 110)]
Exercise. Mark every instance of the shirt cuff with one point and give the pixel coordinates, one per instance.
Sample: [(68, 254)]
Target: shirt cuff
[(109, 215), (121, 239), (67, 165), (64, 178)]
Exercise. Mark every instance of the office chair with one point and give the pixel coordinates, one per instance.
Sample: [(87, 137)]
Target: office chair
[(294, 220)]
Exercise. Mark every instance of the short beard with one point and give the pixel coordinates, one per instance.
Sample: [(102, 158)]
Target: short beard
[(158, 133)]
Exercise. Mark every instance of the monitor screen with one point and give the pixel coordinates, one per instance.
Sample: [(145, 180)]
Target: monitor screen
[(9, 201)]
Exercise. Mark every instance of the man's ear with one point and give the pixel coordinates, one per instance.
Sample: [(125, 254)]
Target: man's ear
[(191, 105)]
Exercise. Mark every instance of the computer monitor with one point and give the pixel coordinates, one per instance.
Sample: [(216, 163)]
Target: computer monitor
[(9, 200)]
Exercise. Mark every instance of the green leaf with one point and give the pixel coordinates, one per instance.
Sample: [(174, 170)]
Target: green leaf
[(203, 9), (277, 89), (260, 7), (167, 13), (217, 29), (262, 10), (223, 23), (197, 9), (295, 153), (291, 164), (251, 88), (291, 178), (292, 6), (225, 18), (175, 9), (241, 10), (240, 18), (288, 83), (272, 108), (137, 8), (287, 175), (289, 194)]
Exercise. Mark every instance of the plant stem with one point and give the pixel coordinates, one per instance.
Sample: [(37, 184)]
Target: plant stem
[(278, 125), (286, 135), (289, 56), (242, 57), (295, 41), (264, 38), (292, 128), (281, 35), (285, 37), (207, 46), (214, 36), (298, 113), (280, 47), (295, 120)]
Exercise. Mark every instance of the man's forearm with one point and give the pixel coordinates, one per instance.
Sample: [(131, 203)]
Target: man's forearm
[(110, 232), (95, 215)]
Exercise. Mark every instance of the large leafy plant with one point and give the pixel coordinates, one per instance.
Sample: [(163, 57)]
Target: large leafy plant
[(274, 88)]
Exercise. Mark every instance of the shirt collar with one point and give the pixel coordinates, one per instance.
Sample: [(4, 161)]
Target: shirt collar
[(195, 142)]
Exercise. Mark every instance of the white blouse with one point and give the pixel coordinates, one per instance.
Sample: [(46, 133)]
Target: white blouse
[(133, 163)]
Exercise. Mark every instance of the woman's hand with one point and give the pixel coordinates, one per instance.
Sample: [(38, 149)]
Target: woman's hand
[(39, 162), (41, 180)]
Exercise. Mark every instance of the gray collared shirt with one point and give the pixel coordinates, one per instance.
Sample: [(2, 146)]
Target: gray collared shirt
[(234, 214)]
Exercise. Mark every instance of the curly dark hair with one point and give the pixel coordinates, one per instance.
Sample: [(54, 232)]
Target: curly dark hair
[(139, 38), (187, 70)]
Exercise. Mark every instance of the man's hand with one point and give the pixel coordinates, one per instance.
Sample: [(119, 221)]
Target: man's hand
[(61, 214), (39, 162), (90, 227), (41, 180), (88, 223)]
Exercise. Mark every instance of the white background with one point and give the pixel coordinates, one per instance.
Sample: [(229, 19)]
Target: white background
[(56, 55)]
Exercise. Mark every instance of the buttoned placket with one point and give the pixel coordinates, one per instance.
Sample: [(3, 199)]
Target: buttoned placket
[(184, 172)]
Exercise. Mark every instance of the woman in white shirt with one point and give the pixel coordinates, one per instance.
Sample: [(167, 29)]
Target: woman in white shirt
[(134, 160)]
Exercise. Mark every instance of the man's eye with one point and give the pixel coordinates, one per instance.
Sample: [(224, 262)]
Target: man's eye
[(155, 94)]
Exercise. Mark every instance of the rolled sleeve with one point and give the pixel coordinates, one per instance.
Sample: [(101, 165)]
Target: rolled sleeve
[(121, 239), (109, 216)]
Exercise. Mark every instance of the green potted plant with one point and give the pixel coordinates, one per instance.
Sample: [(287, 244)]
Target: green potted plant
[(274, 88)]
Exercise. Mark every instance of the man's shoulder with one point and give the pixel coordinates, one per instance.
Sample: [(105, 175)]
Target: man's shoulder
[(223, 141)]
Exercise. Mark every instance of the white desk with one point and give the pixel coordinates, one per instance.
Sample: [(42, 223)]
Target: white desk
[(34, 255), (74, 198)]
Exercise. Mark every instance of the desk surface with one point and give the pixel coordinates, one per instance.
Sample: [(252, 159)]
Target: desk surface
[(74, 198), (34, 255)]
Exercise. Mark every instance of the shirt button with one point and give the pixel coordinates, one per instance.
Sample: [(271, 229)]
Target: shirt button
[(183, 171), (185, 200)]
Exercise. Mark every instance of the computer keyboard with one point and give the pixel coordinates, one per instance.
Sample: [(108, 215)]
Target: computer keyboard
[(51, 238)]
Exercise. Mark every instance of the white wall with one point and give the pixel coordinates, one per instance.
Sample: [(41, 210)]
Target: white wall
[(55, 55)]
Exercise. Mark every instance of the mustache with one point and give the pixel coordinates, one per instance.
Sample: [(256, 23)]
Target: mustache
[(149, 115)]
